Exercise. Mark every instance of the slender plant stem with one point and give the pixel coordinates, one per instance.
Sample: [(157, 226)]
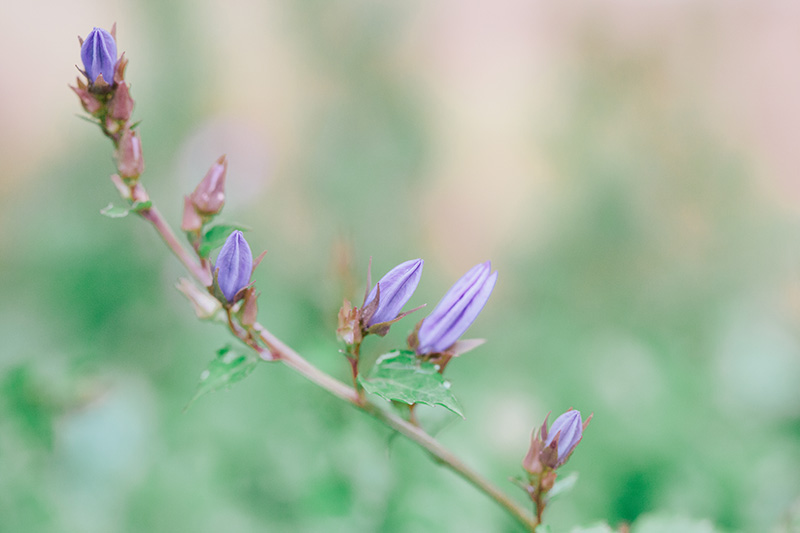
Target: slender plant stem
[(291, 358), (201, 274), (407, 429), (277, 350), (446, 458)]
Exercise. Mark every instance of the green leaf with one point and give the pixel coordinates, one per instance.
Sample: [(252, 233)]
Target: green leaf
[(112, 211), (543, 528), (401, 377), (562, 486), (229, 367), (138, 207), (215, 237)]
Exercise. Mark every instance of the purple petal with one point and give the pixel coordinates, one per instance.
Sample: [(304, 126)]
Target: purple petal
[(569, 425), (457, 310), (235, 265), (397, 286), (99, 55)]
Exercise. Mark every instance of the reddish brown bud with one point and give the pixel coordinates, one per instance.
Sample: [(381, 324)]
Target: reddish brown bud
[(121, 104), (349, 330), (130, 162), (91, 104), (209, 196), (191, 219)]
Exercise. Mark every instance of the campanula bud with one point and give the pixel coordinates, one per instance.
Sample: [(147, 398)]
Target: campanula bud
[(234, 265), (99, 56), (568, 428), (456, 311), (396, 288)]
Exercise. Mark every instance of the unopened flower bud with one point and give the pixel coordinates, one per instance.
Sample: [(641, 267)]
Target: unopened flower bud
[(349, 327), (234, 265), (209, 196), (130, 162), (99, 56), (568, 429), (120, 106), (191, 221), (396, 287), (205, 305), (456, 311), (551, 448)]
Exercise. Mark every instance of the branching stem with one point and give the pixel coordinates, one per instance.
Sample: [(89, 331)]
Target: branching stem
[(280, 351)]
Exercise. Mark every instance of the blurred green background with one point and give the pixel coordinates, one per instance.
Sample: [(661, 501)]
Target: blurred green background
[(630, 169)]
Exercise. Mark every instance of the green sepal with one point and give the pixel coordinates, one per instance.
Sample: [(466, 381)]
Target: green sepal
[(227, 368), (138, 207), (215, 236), (400, 376)]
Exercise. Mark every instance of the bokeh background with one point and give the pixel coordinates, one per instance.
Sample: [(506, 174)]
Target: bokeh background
[(631, 169)]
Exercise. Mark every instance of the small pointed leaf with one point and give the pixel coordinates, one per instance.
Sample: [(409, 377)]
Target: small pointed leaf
[(227, 368), (115, 211)]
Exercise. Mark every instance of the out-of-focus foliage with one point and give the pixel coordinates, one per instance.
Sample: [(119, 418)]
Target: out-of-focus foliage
[(629, 170)]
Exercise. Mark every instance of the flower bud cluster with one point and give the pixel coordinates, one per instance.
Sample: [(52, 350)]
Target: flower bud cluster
[(435, 338), (106, 96), (382, 304)]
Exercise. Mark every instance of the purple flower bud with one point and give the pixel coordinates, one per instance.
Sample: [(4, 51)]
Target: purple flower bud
[(457, 310), (234, 265), (99, 55), (569, 429), (397, 286)]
